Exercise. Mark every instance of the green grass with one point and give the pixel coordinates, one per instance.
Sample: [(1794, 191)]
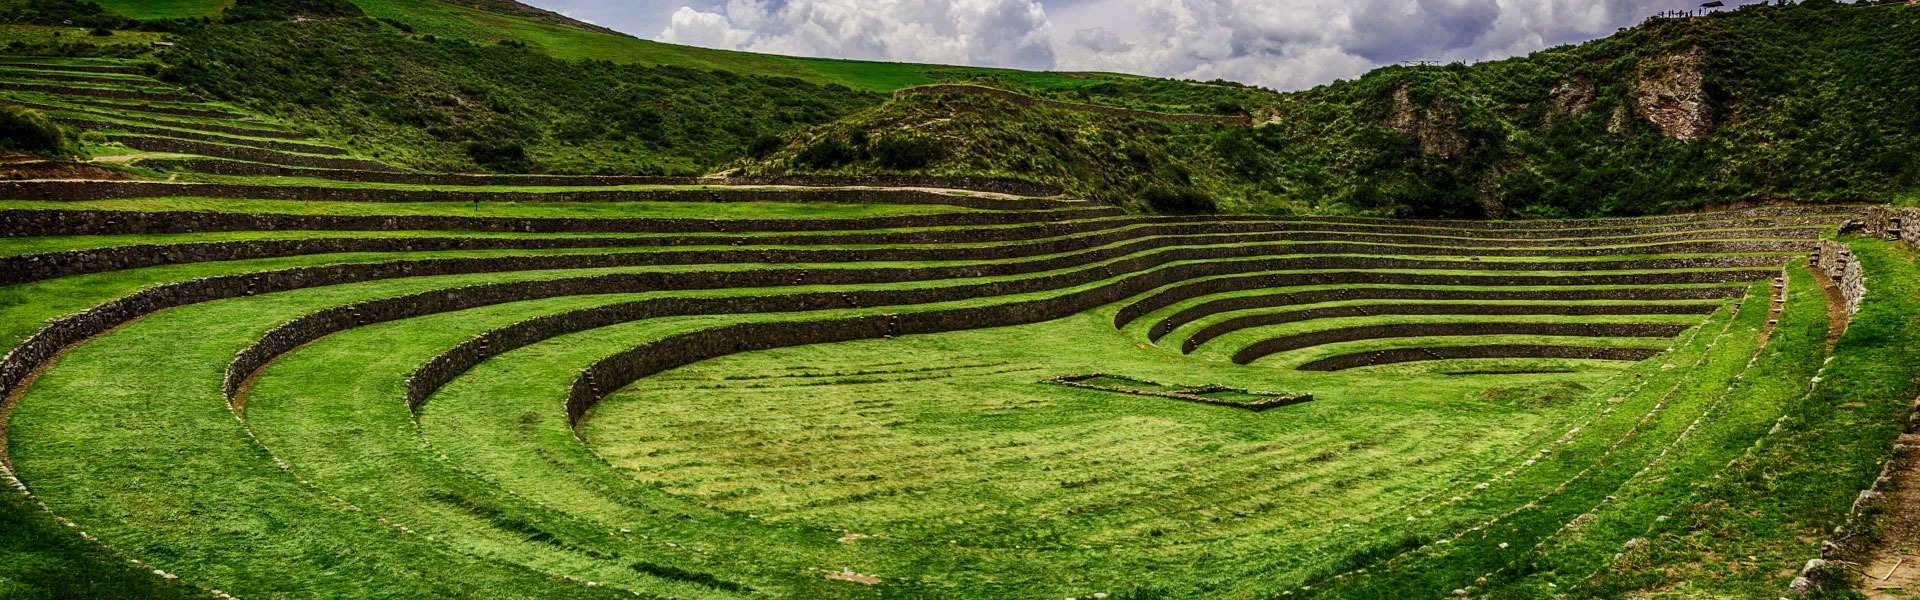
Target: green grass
[(163, 9), (961, 472), (41, 560)]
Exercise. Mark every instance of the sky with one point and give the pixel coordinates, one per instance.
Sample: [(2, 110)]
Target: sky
[(1281, 44)]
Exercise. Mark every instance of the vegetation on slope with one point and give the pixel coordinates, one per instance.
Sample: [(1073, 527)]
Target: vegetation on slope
[(1808, 102), (452, 105)]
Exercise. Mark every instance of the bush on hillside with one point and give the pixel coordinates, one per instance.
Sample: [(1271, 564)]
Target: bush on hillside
[(906, 153), (284, 10), (27, 130), (827, 154), (1178, 201), (62, 12), (423, 99), (500, 157)]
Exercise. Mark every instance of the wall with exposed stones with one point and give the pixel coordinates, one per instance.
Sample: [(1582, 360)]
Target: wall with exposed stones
[(168, 144), (1371, 310), (1269, 347), (976, 184), (60, 90), (1837, 260), (1200, 311), (49, 265), (1242, 282), (30, 223), (275, 145), (1405, 355), (56, 190)]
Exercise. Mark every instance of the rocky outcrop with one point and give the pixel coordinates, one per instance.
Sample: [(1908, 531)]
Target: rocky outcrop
[(1671, 94), (1438, 130)]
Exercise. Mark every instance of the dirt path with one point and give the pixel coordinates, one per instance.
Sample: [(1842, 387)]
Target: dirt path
[(1894, 571), (1836, 307)]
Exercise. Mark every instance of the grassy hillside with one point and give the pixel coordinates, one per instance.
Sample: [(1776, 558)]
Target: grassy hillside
[(1809, 102), (445, 104)]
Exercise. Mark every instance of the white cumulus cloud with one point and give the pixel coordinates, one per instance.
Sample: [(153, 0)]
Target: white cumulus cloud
[(998, 33), (1293, 44)]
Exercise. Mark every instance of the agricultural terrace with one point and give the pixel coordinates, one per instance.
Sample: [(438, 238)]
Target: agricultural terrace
[(258, 365)]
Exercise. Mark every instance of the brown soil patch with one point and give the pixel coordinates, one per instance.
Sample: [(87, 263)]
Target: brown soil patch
[(1836, 307), (853, 577), (1893, 571)]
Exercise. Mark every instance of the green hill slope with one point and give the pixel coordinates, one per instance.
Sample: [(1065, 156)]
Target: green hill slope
[(1810, 103)]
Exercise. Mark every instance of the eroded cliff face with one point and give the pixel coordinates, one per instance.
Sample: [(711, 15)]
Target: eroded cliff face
[(1438, 130), (1571, 98), (1670, 93)]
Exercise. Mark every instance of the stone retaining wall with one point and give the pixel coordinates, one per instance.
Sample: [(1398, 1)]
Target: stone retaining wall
[(1025, 100), (30, 223), (50, 265), (168, 144), (59, 90), (164, 110), (1837, 260), (1902, 224), (274, 145), (1270, 347), (76, 68), (1242, 282), (1405, 355), (1210, 308), (75, 78), (1294, 316), (622, 369), (59, 190), (976, 184), (264, 133)]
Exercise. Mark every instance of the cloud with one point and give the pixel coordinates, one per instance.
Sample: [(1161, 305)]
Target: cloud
[(1294, 44), (998, 33), (1283, 44)]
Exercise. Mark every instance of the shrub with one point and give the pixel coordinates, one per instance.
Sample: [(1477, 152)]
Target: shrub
[(282, 10), (27, 130), (100, 32), (764, 144), (827, 154), (903, 152), (1180, 201), (500, 156), (93, 137)]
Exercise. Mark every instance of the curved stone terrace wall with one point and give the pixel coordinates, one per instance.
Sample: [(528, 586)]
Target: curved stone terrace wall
[(30, 223), (1253, 280), (976, 184), (180, 111), (60, 90), (60, 190), (1643, 294), (1216, 330), (1270, 347), (274, 145), (39, 266), (227, 129), (170, 144), (1406, 355)]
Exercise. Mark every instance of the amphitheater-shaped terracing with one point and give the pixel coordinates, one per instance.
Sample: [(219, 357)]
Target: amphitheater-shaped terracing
[(292, 372)]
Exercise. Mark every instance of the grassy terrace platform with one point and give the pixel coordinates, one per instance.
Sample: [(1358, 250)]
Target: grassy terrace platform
[(784, 399)]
